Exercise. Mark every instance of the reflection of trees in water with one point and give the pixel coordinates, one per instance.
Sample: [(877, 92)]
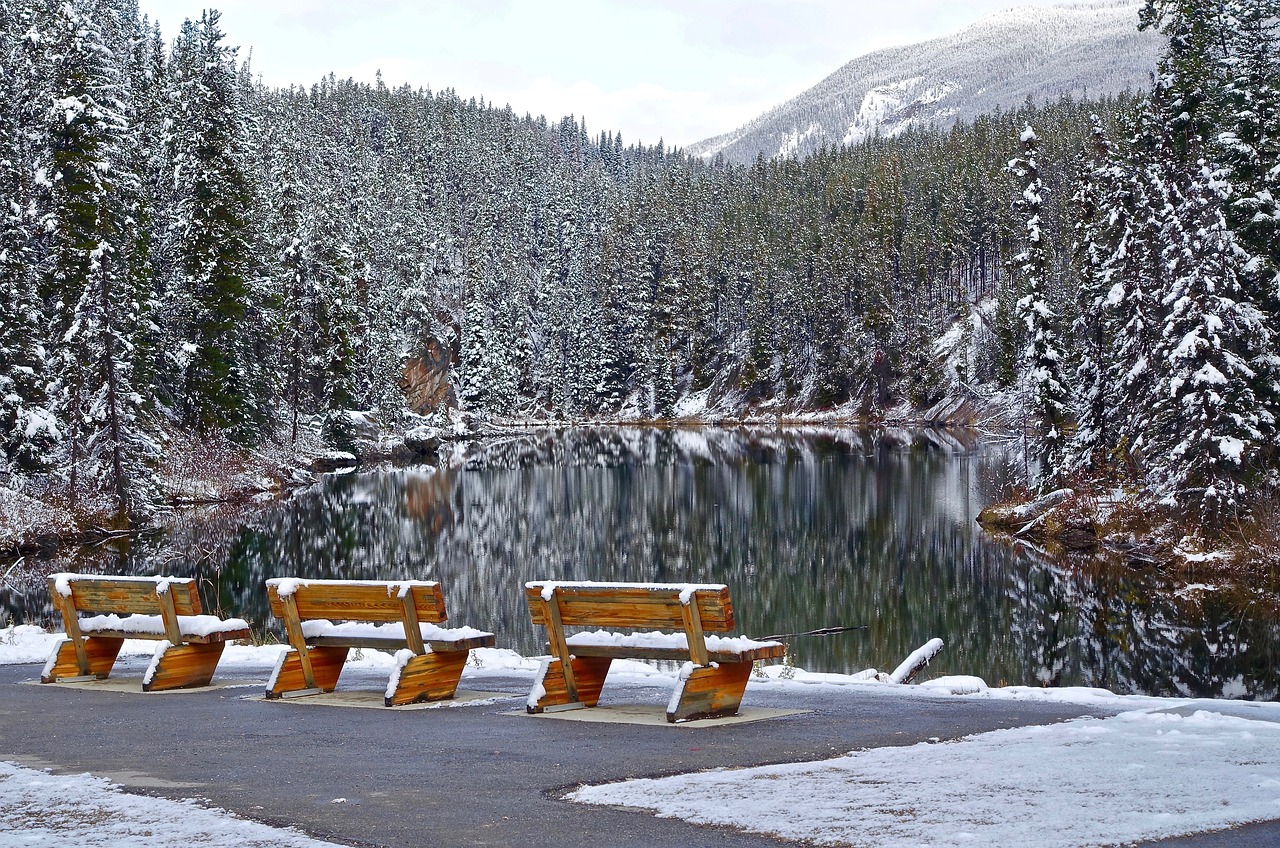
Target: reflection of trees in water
[(1098, 624), (811, 529)]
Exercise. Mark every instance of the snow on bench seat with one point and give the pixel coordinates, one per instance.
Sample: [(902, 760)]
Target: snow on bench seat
[(192, 627), (364, 634), (658, 645)]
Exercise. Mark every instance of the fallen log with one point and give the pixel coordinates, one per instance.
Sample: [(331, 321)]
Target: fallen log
[(915, 663)]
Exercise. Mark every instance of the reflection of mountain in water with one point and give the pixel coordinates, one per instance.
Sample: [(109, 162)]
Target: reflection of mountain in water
[(809, 529)]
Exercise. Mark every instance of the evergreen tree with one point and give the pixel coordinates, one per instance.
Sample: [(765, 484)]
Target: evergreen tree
[(1250, 137), (1097, 211), (1212, 416), (1042, 358), (28, 427), (212, 368), (96, 276)]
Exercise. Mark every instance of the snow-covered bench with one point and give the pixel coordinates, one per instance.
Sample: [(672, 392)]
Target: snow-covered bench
[(711, 683), (401, 616), (162, 608)]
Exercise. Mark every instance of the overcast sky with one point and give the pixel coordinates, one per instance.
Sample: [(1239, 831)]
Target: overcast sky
[(681, 70)]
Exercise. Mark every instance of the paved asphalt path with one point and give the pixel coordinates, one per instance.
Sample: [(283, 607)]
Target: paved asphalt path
[(464, 776)]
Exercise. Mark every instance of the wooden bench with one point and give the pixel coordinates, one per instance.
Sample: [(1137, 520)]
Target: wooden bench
[(711, 683), (400, 616), (163, 608)]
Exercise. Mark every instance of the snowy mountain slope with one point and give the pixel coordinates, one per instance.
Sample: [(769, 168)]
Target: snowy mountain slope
[(1038, 52)]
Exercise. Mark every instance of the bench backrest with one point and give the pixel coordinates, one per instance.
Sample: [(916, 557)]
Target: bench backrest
[(358, 600), (94, 593), (632, 605)]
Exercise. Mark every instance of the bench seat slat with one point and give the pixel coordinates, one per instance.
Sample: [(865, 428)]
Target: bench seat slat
[(617, 653), (323, 628)]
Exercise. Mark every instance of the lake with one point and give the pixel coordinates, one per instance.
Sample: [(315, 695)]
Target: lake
[(810, 528)]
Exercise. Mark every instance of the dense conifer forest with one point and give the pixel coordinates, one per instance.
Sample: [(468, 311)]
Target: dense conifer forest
[(185, 250)]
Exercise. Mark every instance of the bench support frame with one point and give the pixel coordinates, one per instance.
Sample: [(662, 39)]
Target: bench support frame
[(428, 677), (93, 656), (182, 666), (588, 673), (311, 670), (709, 691)]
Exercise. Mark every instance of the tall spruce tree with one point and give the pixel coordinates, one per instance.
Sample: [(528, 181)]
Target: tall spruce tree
[(1042, 361), (96, 278), (28, 426), (212, 368)]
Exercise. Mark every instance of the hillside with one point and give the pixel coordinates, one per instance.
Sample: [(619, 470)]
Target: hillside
[(1082, 50)]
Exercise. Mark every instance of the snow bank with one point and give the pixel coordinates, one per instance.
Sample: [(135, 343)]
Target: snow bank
[(38, 808), (1138, 776)]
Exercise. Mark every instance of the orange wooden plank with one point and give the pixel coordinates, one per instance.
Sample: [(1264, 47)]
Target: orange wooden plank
[(99, 651), (677, 654), (183, 666), (710, 691), (326, 664), (123, 595), (633, 607), (360, 601), (428, 677)]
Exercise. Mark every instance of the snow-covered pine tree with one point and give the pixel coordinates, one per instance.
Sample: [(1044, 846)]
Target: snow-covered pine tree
[(1095, 396), (97, 272), (1042, 362), (211, 370), (28, 428), (1215, 405), (1212, 416), (1250, 135)]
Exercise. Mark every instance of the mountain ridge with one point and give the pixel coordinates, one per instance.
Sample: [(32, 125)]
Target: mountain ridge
[(1083, 49)]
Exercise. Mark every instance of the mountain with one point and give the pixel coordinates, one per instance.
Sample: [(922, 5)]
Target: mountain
[(1038, 52)]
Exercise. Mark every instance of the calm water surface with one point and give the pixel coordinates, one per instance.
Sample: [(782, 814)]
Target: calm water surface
[(809, 529)]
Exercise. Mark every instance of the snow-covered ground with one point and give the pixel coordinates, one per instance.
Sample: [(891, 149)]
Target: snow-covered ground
[(1161, 767), (1137, 776), (83, 811)]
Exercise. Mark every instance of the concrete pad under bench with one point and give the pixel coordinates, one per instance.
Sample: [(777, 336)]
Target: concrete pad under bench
[(365, 699), (133, 686), (656, 716)]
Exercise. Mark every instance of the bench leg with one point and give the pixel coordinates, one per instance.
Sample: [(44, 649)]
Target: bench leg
[(709, 691), (432, 676), (100, 652), (326, 664), (182, 666), (549, 689)]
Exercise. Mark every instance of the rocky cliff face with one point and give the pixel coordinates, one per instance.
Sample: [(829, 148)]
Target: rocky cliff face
[(425, 380)]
